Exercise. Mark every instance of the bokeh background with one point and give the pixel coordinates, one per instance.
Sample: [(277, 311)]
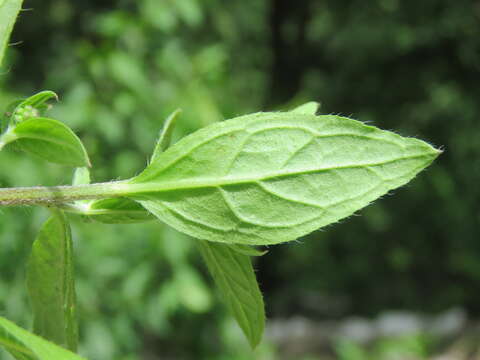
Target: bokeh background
[(399, 281)]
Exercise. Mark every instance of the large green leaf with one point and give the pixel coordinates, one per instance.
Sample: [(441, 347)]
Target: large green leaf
[(8, 14), (235, 278), (26, 346), (49, 139), (272, 177), (50, 283)]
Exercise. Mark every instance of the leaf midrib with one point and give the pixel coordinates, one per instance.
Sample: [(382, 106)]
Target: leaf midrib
[(14, 346), (163, 186), (56, 141)]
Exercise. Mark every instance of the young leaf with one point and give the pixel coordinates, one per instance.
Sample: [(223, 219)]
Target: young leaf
[(108, 211), (310, 108), (81, 176), (20, 110), (8, 14), (50, 283), (165, 137), (26, 346), (235, 278), (272, 177), (49, 139), (39, 99), (117, 211), (32, 106)]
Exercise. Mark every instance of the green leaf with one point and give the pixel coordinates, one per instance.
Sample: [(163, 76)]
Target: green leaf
[(8, 14), (26, 346), (36, 101), (235, 278), (107, 211), (247, 250), (117, 211), (33, 106), (50, 283), (272, 177), (81, 176), (49, 139), (22, 109), (165, 137), (309, 108)]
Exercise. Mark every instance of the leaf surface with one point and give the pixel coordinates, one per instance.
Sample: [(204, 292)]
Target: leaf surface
[(24, 345), (50, 283), (51, 140), (8, 14), (268, 178), (235, 278)]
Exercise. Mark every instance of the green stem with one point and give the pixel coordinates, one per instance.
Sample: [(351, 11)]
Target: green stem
[(51, 195)]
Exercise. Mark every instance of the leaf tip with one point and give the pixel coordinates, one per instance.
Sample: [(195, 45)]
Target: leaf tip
[(309, 108), (435, 152), (255, 341), (439, 150)]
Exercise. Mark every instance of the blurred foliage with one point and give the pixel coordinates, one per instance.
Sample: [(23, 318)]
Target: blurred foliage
[(413, 347), (120, 67)]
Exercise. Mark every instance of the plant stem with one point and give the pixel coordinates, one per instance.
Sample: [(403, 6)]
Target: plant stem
[(51, 195)]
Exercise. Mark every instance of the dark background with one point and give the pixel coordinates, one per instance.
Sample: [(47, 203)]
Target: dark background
[(121, 66)]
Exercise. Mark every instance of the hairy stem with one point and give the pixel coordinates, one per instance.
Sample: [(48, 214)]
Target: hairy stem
[(51, 195)]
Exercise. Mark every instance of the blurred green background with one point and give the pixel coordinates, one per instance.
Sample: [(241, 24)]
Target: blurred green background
[(120, 67)]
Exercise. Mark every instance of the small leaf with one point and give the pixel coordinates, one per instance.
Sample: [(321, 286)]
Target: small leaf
[(117, 211), (33, 106), (309, 108), (26, 346), (51, 140), (81, 176), (108, 211), (235, 278), (165, 137), (247, 250), (8, 14), (39, 99), (50, 283), (272, 177)]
